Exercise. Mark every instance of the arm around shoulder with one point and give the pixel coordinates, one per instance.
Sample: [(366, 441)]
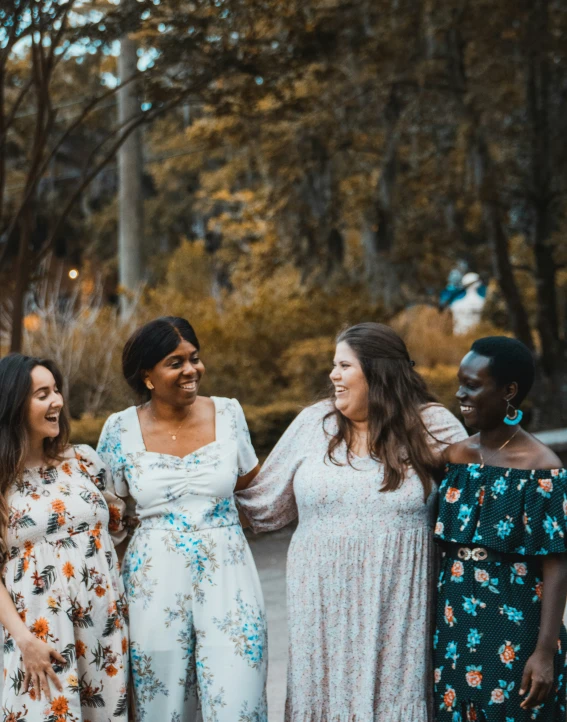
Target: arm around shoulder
[(269, 500)]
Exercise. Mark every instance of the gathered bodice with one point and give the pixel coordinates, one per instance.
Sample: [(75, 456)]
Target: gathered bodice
[(347, 499), (180, 494)]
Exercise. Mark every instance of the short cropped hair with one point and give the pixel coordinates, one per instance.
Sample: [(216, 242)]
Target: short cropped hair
[(510, 361), (151, 343)]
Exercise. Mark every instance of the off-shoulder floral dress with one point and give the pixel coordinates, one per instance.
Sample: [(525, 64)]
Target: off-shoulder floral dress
[(198, 637), (360, 575), (489, 611), (64, 580)]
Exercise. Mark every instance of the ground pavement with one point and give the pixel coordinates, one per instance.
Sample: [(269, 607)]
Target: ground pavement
[(269, 551)]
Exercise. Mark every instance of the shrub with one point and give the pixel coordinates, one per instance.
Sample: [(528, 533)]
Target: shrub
[(87, 430), (267, 423)]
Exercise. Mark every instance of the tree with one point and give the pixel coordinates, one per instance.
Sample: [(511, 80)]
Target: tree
[(38, 42)]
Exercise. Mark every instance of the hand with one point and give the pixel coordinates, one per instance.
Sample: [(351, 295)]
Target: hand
[(537, 679), (36, 656)]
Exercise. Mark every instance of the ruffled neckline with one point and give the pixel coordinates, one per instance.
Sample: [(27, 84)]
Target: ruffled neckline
[(556, 471), (520, 511)]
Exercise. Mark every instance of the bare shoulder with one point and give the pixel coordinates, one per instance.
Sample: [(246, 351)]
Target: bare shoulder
[(462, 452), (204, 405), (540, 455)]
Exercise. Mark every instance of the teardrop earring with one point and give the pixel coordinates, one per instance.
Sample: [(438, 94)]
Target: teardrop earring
[(513, 415), (149, 385)]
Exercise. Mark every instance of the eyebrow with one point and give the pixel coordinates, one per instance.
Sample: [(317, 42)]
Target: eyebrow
[(180, 356), (43, 388)]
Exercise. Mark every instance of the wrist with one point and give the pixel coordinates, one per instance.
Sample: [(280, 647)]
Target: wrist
[(546, 649), (23, 636)]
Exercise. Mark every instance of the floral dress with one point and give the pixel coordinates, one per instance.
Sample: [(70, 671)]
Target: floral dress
[(64, 580), (360, 575), (197, 624), (488, 612)]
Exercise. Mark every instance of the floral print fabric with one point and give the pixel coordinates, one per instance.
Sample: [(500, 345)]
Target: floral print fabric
[(64, 580), (508, 510), (197, 624), (360, 574), (488, 613)]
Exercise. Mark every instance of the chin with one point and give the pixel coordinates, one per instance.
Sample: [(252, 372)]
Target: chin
[(470, 423)]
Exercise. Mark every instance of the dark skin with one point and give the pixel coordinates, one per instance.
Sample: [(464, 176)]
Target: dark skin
[(483, 405), (176, 409)]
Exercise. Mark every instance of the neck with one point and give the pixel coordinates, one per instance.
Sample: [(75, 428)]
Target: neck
[(166, 412), (35, 455), (361, 427), (493, 438)]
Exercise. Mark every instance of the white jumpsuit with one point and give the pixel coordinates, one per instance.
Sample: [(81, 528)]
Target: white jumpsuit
[(198, 645)]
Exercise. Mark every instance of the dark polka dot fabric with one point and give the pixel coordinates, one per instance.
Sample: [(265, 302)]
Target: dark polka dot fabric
[(488, 612)]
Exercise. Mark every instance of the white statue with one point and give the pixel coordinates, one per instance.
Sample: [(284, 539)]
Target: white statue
[(467, 309)]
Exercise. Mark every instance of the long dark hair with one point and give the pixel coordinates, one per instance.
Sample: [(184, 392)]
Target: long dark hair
[(149, 344), (15, 389), (396, 397)]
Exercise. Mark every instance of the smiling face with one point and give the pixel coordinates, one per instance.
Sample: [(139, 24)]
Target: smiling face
[(351, 387), (176, 377), (483, 401), (44, 405)]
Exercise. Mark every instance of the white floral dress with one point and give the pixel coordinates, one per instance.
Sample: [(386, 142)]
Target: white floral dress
[(359, 575), (197, 622), (64, 579)]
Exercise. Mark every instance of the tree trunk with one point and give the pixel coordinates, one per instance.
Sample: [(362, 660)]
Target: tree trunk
[(22, 282), (130, 172), (487, 185), (538, 102)]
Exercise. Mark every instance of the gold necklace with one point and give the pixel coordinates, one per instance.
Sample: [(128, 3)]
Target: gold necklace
[(174, 435), (482, 460)]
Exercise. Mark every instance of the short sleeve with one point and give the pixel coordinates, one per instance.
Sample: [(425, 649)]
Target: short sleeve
[(443, 427), (109, 448), (100, 475), (269, 500), (247, 459), (110, 451)]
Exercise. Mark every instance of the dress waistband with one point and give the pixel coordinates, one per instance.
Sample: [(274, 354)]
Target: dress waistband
[(481, 554)]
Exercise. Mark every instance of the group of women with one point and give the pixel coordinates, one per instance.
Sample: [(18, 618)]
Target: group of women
[(426, 579)]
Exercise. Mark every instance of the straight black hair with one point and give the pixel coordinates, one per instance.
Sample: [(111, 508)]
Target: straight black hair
[(151, 343)]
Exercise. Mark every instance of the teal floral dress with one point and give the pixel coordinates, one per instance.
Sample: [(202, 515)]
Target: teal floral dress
[(488, 612)]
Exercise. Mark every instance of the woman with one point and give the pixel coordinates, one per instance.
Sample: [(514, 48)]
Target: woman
[(62, 602), (197, 622), (500, 644), (356, 469)]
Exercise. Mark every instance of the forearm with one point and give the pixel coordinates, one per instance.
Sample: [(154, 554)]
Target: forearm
[(10, 619), (553, 601), (244, 481)]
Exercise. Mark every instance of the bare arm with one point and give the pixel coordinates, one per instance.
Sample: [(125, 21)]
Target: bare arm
[(243, 481), (36, 655), (537, 680)]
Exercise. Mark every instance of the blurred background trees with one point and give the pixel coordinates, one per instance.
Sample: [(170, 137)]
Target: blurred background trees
[(305, 165)]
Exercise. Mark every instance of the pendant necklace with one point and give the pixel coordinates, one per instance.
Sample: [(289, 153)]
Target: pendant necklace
[(483, 460), (174, 435)]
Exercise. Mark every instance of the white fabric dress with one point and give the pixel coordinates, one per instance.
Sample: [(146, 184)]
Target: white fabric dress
[(198, 646), (359, 576)]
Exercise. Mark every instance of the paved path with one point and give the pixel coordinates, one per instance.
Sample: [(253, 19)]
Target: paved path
[(269, 552)]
